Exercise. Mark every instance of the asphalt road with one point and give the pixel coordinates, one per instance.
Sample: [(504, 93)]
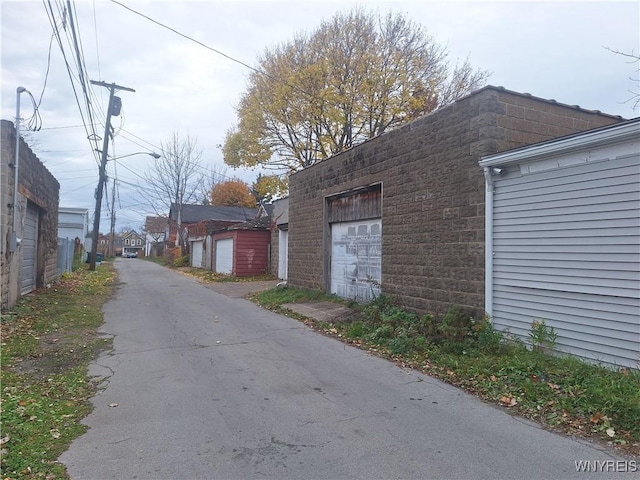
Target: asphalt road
[(204, 386)]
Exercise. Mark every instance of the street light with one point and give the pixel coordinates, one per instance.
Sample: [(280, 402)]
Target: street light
[(96, 218), (151, 154)]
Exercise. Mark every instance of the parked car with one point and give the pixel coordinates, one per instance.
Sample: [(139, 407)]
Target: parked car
[(130, 254)]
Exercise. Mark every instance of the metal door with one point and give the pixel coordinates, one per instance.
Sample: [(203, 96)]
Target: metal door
[(29, 249), (356, 260)]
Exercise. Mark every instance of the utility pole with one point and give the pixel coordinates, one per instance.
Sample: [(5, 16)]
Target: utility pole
[(112, 247), (113, 109)]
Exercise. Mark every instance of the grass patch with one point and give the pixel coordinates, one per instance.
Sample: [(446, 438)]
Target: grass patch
[(209, 276), (561, 392), (274, 298), (48, 341)]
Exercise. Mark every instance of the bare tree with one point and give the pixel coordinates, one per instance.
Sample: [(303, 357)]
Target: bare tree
[(215, 177), (175, 178), (631, 59)]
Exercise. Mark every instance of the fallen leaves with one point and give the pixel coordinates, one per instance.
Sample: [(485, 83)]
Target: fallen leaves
[(596, 418), (508, 401)]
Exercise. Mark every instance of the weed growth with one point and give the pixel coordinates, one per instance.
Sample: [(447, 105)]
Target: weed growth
[(561, 392), (47, 343)]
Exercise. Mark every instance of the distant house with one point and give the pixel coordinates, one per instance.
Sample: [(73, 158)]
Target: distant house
[(74, 223), (133, 242), (28, 220), (563, 241), (155, 229), (215, 217), (103, 244)]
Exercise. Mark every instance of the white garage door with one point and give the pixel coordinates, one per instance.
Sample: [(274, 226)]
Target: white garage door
[(283, 254), (356, 260), (196, 254), (29, 249), (224, 255)]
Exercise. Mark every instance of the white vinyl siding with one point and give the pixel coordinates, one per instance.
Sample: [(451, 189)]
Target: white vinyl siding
[(566, 248)]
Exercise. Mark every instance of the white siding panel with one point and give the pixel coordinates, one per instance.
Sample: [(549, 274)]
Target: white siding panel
[(567, 249)]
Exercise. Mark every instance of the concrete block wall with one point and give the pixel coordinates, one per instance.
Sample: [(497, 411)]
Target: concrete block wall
[(432, 194), (39, 187)]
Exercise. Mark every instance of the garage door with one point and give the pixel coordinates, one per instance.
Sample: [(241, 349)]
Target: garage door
[(196, 254), (283, 254), (224, 255), (356, 261), (29, 250)]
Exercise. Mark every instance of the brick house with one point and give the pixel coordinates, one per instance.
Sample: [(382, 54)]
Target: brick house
[(29, 214), (405, 210)]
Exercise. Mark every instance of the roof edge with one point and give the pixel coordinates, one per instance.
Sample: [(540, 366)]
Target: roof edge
[(578, 141), (540, 99)]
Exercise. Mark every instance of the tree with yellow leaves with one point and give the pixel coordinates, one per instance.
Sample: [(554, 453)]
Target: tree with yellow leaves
[(357, 76), (232, 193)]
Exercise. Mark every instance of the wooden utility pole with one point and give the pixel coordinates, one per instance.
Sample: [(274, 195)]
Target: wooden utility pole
[(113, 109)]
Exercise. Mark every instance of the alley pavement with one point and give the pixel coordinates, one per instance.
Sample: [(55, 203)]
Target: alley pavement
[(206, 385)]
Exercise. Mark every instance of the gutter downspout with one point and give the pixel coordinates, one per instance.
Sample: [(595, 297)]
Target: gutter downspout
[(488, 242), (14, 241)]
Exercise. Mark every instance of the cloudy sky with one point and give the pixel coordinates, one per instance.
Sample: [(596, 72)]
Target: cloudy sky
[(553, 50)]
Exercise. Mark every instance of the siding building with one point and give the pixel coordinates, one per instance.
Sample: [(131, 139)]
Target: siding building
[(563, 241)]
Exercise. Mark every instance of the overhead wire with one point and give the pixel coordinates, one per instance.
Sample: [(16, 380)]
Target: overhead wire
[(56, 31), (82, 73), (229, 57)]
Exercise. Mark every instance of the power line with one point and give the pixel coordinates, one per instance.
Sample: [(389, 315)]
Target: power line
[(56, 32), (256, 70)]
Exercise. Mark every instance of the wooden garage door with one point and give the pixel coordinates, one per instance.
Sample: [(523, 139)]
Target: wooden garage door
[(356, 261), (224, 255), (29, 250)]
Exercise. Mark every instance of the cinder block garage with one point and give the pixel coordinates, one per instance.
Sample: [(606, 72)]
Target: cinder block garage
[(422, 240)]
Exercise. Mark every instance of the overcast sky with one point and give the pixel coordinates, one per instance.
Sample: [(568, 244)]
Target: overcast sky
[(553, 50)]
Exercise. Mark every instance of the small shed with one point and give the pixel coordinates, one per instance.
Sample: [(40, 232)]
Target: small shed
[(563, 241), (242, 250)]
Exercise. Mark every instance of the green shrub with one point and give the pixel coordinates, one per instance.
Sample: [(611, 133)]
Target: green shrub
[(488, 339), (182, 261)]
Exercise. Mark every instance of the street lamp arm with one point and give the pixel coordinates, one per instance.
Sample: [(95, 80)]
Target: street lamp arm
[(151, 154)]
